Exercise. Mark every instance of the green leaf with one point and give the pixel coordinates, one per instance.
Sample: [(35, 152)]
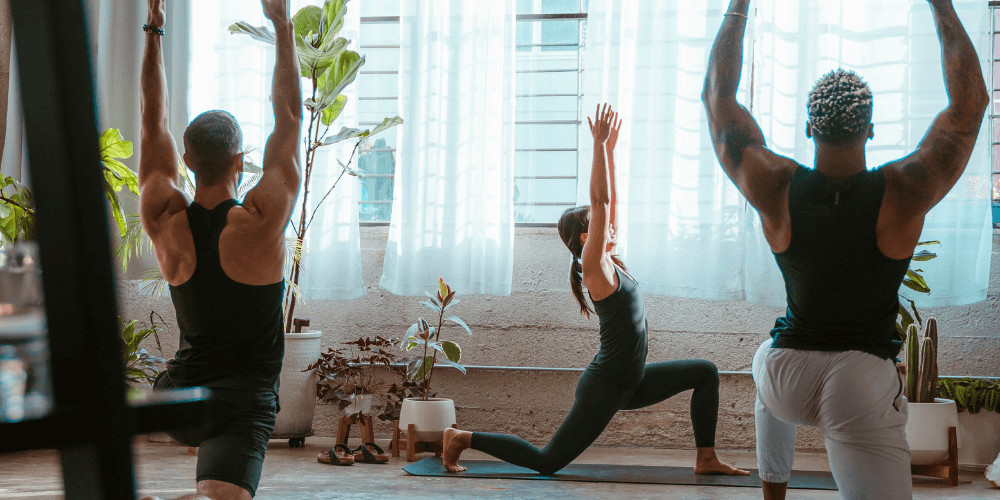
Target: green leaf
[(386, 124), (452, 350), (113, 181), (916, 282), (333, 18), (128, 178), (417, 341), (306, 22), (339, 75), (923, 255), (913, 285), (344, 134), (459, 322), (457, 366), (425, 368), (934, 242), (331, 112), (259, 33), (113, 145), (116, 209)]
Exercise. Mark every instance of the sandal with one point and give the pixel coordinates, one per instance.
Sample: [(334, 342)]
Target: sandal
[(364, 454), (335, 457)]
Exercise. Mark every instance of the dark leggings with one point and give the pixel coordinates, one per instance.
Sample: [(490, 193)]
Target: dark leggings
[(596, 403)]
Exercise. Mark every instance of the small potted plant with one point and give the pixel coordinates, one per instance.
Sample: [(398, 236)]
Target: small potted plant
[(929, 417), (978, 402), (430, 416), (354, 377)]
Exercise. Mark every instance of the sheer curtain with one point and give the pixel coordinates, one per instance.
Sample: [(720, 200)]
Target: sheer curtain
[(893, 45), (685, 230), (679, 216), (452, 213), (233, 73)]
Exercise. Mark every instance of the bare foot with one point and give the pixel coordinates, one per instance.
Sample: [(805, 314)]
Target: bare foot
[(714, 466), (455, 442)]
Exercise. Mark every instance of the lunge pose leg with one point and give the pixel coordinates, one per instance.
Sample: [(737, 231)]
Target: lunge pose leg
[(842, 236), (222, 259), (618, 377)]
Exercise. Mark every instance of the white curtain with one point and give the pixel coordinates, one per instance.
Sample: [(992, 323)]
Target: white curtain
[(233, 72), (893, 45), (679, 215), (452, 213), (685, 230)]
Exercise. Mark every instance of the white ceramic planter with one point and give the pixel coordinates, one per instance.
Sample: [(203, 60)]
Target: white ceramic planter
[(430, 418), (979, 434), (297, 392), (362, 403), (927, 430)]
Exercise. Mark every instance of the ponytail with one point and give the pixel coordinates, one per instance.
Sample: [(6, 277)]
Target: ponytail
[(576, 283)]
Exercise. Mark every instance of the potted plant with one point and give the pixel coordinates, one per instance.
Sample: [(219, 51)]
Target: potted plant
[(978, 402), (430, 416), (330, 67), (929, 417), (354, 378)]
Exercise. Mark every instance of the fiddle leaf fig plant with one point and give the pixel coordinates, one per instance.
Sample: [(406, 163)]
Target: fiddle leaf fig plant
[(331, 67), (421, 335)]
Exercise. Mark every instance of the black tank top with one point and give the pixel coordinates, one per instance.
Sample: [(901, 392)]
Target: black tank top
[(842, 290), (231, 334), (624, 328)]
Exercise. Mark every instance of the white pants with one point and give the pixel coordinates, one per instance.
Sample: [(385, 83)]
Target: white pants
[(854, 398)]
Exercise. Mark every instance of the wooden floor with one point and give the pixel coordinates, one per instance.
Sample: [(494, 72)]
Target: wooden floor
[(167, 470)]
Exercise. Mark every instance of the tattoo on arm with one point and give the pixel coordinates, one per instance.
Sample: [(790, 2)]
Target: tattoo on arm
[(736, 140)]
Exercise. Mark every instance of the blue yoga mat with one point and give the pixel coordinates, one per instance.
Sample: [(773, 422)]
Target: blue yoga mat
[(610, 473)]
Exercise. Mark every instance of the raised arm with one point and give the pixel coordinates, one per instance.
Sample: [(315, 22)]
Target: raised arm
[(598, 273), (273, 198), (917, 182), (616, 126), (760, 175), (159, 194)]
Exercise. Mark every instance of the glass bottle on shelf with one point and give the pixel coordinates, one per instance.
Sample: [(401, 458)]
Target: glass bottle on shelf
[(25, 389)]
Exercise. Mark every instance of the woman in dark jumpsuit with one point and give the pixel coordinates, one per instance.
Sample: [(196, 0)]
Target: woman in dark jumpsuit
[(618, 378)]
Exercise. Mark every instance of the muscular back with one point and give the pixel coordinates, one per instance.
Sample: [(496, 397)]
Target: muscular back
[(247, 254)]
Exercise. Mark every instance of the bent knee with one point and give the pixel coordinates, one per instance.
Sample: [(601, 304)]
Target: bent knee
[(708, 370), (549, 466)]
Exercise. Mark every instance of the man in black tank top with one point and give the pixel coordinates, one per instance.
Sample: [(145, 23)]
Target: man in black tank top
[(223, 260), (842, 237)]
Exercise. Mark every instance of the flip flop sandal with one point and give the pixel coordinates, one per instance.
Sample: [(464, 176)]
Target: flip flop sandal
[(364, 454), (335, 457)]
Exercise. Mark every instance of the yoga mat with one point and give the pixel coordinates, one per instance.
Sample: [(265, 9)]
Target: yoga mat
[(608, 473)]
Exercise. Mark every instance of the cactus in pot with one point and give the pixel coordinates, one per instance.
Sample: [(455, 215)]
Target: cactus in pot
[(921, 364)]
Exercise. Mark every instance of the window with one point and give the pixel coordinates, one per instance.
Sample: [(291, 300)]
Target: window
[(550, 35), (548, 113), (995, 107), (378, 97)]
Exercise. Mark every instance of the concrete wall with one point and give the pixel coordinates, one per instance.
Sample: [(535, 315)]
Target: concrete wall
[(539, 326)]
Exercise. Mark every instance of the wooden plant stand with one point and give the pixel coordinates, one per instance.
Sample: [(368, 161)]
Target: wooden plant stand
[(946, 469), (412, 445), (367, 429)]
